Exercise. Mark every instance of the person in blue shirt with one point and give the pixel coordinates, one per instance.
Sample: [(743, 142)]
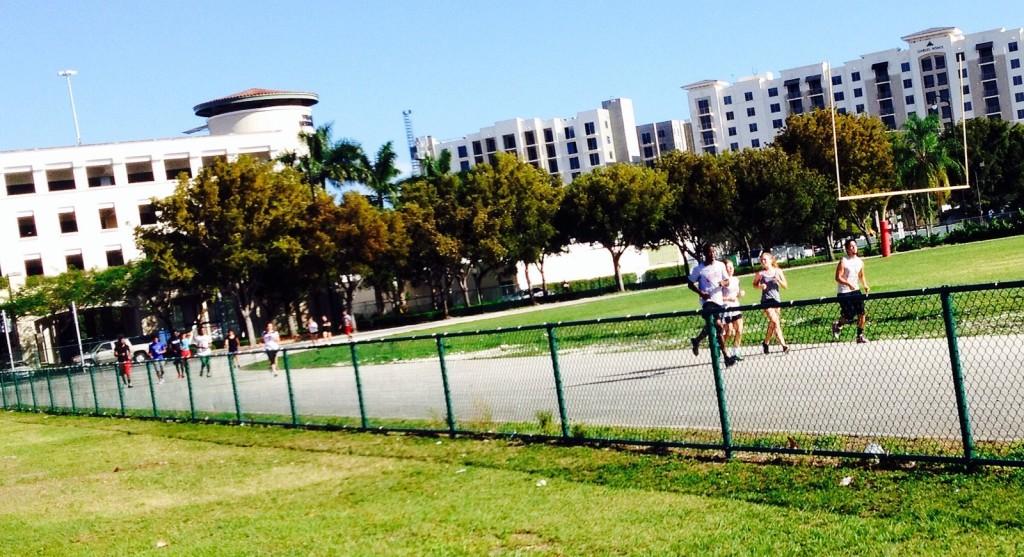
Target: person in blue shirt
[(157, 350)]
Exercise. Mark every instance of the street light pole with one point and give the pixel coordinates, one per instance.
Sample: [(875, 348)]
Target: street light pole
[(67, 74)]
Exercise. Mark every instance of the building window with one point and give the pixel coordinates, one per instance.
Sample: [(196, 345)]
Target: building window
[(549, 135), (570, 133), (100, 176), (60, 179), (942, 78), (858, 92), (855, 76), (530, 137), (463, 152), (703, 106), (595, 159), (574, 163), (773, 91), (753, 127), (108, 218), (775, 107), (967, 106), (478, 159), (905, 67), (139, 172), (550, 151), (463, 166), (74, 261), (926, 64), (1017, 80), (734, 146), (751, 111), (729, 116), (575, 175), (909, 99), (552, 165), (571, 148), (727, 99), (27, 226), (661, 133), (173, 169), (509, 141), (837, 80), (68, 222), (477, 148), (645, 138), (588, 128), (34, 267), (115, 258), (492, 159), (1020, 114), (648, 152), (20, 183), (992, 105), (592, 143), (147, 213), (1012, 47), (531, 153), (755, 143), (707, 138), (1015, 63), (732, 132), (491, 145), (860, 109), (908, 83), (777, 123), (838, 95), (748, 96), (841, 110), (1019, 97)]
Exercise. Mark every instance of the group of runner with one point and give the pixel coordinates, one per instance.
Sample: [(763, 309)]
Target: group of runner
[(720, 290)]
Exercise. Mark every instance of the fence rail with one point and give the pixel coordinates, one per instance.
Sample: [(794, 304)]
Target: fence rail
[(941, 379)]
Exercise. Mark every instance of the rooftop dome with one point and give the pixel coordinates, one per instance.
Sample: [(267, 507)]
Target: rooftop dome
[(254, 98)]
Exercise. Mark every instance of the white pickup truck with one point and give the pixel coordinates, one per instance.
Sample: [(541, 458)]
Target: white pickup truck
[(103, 353)]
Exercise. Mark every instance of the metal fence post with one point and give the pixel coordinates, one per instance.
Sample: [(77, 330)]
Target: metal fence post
[(359, 386), (92, 382), (188, 382), (120, 388), (32, 389), (291, 393), (152, 392), (234, 387), (49, 390), (559, 390), (963, 411), (17, 391), (450, 417), (716, 366), (71, 391), (3, 389)]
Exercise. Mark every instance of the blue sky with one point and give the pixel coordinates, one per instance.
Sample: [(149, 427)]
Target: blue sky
[(458, 65)]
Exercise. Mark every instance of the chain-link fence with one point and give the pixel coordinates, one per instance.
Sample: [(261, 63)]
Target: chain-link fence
[(939, 377)]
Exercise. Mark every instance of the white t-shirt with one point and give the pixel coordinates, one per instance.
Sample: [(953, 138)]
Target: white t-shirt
[(709, 280), (313, 326), (731, 290), (271, 340), (203, 345), (852, 267)]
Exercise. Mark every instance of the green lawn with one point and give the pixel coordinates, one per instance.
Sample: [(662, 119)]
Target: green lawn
[(979, 262), (96, 486)]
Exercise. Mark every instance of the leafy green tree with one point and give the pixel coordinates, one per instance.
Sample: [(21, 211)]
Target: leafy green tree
[(325, 160), (618, 206), (702, 194), (995, 151), (922, 160), (236, 227), (355, 235), (778, 200), (380, 174)]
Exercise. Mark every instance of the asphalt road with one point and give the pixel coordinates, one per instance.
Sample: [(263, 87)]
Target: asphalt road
[(898, 388)]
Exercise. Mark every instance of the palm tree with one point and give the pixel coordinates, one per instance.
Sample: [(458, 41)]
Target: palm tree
[(922, 160), (380, 174), (326, 160)]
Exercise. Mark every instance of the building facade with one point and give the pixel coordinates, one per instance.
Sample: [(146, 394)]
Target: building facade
[(79, 206), (659, 138), (941, 71)]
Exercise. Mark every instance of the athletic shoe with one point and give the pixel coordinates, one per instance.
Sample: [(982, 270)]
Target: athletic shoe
[(785, 348), (695, 346), (737, 358), (129, 385), (836, 328), (764, 347), (730, 361), (861, 339), (161, 381)]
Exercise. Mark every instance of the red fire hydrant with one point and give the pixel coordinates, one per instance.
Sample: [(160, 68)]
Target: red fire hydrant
[(886, 238)]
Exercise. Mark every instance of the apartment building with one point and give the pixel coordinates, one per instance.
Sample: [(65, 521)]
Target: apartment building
[(566, 147), (940, 71), (78, 206), (659, 138)]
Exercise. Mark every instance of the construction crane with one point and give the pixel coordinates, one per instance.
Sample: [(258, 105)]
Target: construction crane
[(411, 140)]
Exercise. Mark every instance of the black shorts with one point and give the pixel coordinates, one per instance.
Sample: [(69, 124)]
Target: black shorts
[(272, 356), (733, 318), (851, 304), (710, 307)]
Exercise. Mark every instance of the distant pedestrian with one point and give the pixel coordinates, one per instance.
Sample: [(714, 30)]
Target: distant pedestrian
[(174, 352), (313, 328), (770, 279), (271, 344), (707, 280), (186, 351), (232, 345), (731, 294), (325, 327), (851, 286), (204, 349), (349, 324), (157, 351), (123, 355)]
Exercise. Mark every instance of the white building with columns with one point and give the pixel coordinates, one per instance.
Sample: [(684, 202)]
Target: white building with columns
[(922, 78)]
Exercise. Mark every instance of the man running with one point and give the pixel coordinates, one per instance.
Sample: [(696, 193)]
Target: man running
[(851, 283), (157, 350), (707, 280), (123, 354)]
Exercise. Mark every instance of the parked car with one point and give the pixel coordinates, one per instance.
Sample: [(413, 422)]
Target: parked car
[(103, 353), (21, 370)]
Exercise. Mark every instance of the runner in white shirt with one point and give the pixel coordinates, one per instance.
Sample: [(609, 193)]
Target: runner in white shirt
[(731, 294), (851, 282), (204, 349), (271, 344), (707, 280)]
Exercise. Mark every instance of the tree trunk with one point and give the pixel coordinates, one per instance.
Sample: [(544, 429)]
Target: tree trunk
[(618, 273), (464, 286), (478, 279), (445, 285), (246, 311), (294, 313), (529, 283), (829, 241), (543, 277), (378, 299)]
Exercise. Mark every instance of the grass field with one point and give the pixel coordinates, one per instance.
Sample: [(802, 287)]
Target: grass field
[(979, 262), (97, 486)]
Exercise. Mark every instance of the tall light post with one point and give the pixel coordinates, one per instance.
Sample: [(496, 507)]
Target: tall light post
[(67, 75)]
